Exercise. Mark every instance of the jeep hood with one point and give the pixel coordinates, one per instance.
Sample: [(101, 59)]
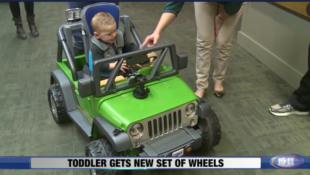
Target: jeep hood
[(125, 109)]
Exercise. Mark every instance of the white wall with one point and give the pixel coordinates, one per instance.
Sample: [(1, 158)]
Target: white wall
[(277, 38)]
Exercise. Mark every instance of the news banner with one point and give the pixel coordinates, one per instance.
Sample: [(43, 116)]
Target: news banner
[(290, 161)]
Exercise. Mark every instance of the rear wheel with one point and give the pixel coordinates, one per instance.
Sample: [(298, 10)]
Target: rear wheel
[(210, 130), (102, 148), (57, 105)]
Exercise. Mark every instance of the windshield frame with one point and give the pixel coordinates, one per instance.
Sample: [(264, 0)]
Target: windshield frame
[(155, 74)]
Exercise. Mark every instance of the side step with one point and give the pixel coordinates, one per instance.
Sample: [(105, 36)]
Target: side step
[(79, 119)]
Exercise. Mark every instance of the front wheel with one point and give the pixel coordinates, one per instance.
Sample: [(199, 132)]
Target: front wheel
[(210, 130), (102, 148), (57, 105)]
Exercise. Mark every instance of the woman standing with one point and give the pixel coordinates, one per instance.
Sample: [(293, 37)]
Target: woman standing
[(216, 22), (15, 10)]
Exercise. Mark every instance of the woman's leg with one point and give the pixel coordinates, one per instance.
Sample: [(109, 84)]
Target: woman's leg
[(205, 13), (223, 46), (15, 10), (29, 7)]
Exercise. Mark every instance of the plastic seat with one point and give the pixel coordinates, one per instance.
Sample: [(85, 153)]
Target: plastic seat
[(87, 13)]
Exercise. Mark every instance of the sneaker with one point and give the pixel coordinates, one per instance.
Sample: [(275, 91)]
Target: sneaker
[(285, 109)]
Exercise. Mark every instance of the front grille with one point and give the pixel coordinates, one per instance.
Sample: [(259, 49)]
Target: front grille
[(165, 124)]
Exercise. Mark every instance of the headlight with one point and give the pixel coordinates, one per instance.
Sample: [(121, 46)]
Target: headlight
[(73, 14), (190, 110), (136, 130)]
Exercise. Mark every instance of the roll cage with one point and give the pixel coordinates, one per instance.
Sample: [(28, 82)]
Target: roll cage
[(90, 85)]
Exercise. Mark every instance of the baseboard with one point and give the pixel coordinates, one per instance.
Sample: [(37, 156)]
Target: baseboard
[(276, 64)]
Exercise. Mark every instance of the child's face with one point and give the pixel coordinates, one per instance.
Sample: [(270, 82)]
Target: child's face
[(107, 34)]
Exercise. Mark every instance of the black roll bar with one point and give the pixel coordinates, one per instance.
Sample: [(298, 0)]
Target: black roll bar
[(62, 46), (135, 34)]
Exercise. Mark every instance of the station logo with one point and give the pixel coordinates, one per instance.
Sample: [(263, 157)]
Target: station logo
[(287, 161)]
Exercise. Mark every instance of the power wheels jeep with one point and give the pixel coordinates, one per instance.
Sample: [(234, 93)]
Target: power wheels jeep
[(149, 112)]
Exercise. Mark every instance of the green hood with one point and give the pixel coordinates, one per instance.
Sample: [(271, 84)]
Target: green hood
[(125, 109)]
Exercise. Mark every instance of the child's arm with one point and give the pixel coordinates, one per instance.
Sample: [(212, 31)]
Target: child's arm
[(97, 54), (112, 66)]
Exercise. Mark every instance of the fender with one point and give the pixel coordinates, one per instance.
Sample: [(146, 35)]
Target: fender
[(204, 110), (66, 89), (121, 142)]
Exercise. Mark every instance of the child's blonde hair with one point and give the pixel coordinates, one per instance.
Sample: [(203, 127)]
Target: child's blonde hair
[(102, 20)]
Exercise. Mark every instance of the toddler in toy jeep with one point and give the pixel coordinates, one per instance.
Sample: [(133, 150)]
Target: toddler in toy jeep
[(108, 41)]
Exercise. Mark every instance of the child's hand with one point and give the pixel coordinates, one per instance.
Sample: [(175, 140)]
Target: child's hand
[(123, 66)]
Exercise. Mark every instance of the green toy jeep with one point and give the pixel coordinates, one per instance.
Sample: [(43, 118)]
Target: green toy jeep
[(148, 112)]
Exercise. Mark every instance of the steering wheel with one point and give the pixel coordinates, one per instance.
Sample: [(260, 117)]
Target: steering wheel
[(133, 69)]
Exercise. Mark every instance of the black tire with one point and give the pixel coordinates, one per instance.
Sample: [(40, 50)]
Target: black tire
[(210, 130), (102, 148), (57, 105)]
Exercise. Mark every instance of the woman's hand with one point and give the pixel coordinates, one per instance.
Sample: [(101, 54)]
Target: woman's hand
[(219, 19), (151, 40), (165, 20), (218, 24)]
